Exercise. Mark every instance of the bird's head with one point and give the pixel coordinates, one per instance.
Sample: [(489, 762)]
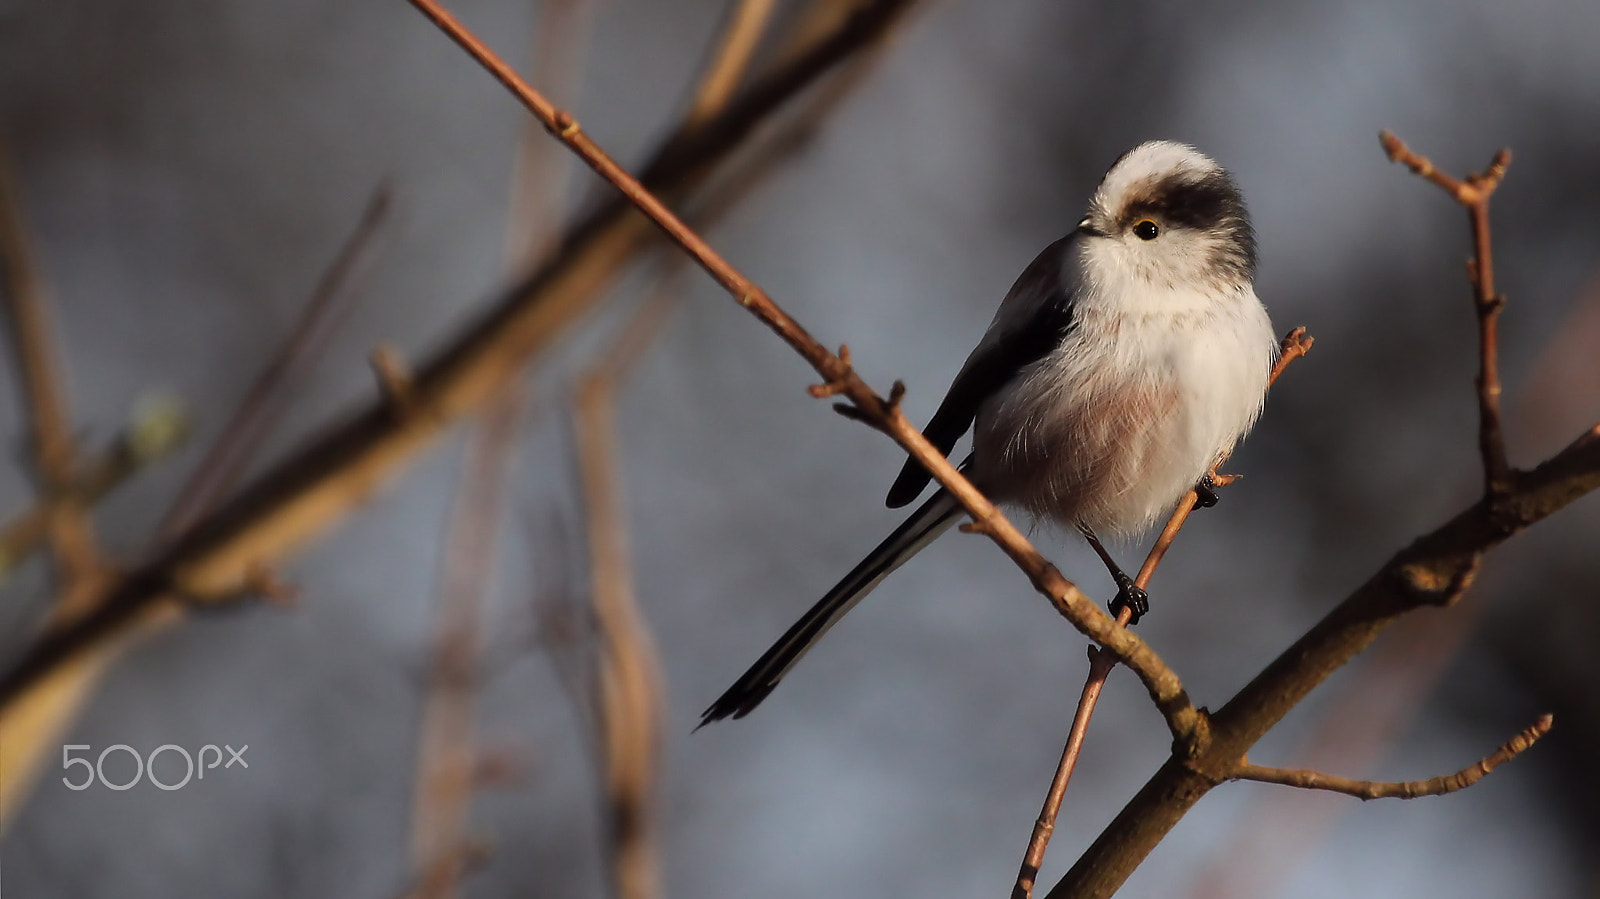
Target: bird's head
[(1167, 216)]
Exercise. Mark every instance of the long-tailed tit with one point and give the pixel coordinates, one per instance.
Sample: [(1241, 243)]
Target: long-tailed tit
[(1128, 358)]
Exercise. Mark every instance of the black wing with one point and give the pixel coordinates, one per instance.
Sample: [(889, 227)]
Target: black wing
[(1032, 319)]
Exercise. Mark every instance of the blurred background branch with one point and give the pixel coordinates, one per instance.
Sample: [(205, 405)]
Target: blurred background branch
[(308, 491)]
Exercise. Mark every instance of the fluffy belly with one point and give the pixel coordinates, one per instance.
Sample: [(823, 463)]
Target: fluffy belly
[(1112, 456)]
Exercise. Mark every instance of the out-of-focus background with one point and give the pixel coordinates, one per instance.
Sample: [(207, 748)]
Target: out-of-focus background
[(186, 171)]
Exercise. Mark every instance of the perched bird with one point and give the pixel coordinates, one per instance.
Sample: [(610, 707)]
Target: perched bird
[(1128, 358)]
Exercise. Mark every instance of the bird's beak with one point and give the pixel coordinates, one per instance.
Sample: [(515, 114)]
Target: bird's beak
[(1087, 227)]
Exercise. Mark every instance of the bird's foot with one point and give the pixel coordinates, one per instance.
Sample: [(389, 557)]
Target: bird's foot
[(1129, 596)]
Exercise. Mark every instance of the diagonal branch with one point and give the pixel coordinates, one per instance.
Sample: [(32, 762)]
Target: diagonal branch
[(841, 379), (1410, 789)]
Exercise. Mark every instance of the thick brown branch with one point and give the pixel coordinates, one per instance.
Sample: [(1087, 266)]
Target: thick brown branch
[(1410, 789), (1473, 192)]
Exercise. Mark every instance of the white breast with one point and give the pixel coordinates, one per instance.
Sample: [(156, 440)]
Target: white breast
[(1136, 404)]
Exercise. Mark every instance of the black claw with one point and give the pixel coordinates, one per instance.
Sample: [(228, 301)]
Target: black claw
[(1205, 492), (1131, 597)]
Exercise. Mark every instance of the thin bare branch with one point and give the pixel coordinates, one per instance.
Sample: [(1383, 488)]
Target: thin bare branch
[(448, 762), (1100, 665), (1411, 789), (156, 431), (1473, 192)]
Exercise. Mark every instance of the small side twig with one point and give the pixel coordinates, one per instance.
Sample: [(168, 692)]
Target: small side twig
[(1473, 193), (1294, 345), (1410, 789), (1279, 830)]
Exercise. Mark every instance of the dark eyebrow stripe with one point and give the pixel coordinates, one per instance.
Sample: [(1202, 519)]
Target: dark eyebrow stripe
[(1188, 203), (1209, 203)]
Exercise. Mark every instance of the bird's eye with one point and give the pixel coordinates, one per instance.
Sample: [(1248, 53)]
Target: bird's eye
[(1147, 230)]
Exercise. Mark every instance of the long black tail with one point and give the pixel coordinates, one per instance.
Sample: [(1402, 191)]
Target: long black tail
[(933, 518)]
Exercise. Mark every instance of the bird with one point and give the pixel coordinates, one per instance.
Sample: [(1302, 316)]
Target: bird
[(1124, 363)]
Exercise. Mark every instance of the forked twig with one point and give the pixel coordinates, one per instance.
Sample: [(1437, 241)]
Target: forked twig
[(1473, 192)]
